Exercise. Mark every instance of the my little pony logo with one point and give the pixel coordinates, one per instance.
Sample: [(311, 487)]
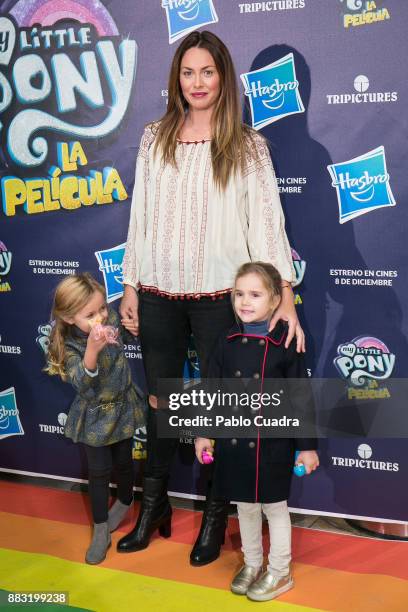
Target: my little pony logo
[(353, 5), (364, 358), (43, 74), (363, 12), (43, 338), (5, 259), (299, 266), (273, 92), (184, 16)]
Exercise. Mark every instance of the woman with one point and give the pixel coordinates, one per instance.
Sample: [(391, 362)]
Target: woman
[(205, 201)]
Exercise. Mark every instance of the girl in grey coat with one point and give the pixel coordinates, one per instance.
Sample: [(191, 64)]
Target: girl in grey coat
[(106, 409)]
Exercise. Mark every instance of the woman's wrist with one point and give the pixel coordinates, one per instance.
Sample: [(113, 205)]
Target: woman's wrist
[(130, 289)]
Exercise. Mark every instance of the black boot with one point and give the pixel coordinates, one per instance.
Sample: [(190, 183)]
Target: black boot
[(212, 533), (155, 513)]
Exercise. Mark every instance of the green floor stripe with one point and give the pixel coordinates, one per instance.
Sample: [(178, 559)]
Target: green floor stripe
[(101, 589)]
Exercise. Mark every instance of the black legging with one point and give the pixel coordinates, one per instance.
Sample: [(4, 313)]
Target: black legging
[(165, 329), (101, 459)]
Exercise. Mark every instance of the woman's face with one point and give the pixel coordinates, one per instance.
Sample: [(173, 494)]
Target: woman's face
[(199, 79)]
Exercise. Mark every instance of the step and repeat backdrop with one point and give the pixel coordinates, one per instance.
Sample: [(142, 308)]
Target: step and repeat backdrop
[(322, 80)]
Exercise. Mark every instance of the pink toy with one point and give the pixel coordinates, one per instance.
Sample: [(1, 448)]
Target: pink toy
[(207, 457), (108, 331)]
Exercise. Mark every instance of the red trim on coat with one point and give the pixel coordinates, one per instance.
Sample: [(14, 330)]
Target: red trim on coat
[(275, 342), (258, 441)]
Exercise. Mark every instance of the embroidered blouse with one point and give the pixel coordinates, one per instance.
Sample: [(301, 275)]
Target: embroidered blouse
[(188, 238)]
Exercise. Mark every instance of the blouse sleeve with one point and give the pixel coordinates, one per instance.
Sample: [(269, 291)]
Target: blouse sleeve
[(267, 240), (137, 226)]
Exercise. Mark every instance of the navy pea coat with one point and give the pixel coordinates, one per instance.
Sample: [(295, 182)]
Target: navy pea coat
[(257, 469)]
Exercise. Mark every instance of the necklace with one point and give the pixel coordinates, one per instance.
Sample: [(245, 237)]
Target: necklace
[(204, 140), (206, 137)]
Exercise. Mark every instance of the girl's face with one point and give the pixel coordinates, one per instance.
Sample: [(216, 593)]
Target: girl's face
[(94, 311), (252, 300), (199, 79)]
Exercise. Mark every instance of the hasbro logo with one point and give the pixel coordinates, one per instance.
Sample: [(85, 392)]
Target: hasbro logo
[(362, 184), (273, 92), (110, 264), (10, 424), (184, 16), (191, 364)]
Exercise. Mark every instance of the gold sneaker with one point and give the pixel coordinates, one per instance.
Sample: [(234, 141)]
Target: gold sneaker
[(245, 577), (269, 586)]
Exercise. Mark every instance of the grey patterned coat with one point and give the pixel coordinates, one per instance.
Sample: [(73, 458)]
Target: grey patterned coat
[(107, 407)]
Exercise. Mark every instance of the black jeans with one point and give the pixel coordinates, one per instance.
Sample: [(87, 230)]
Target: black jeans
[(165, 329), (101, 459)]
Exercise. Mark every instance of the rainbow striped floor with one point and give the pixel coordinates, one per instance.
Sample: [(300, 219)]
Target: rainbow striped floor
[(45, 532)]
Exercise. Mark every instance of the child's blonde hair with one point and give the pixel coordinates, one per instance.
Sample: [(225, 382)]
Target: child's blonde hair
[(270, 276), (71, 295)]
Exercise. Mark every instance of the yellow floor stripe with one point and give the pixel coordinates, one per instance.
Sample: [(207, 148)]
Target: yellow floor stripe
[(316, 587), (105, 590)]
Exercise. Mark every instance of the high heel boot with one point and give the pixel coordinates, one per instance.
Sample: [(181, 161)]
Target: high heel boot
[(155, 513), (212, 533)]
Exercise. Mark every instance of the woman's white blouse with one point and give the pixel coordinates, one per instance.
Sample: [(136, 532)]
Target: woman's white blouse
[(186, 236)]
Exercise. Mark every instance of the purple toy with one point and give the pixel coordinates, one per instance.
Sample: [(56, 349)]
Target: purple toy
[(207, 457), (108, 331)]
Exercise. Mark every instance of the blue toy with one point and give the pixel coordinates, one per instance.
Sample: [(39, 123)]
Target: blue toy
[(299, 470)]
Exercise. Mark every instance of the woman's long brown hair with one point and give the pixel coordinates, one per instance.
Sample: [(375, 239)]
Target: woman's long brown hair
[(230, 137)]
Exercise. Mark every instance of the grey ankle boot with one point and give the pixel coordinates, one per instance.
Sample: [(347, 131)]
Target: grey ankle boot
[(101, 541), (117, 513)]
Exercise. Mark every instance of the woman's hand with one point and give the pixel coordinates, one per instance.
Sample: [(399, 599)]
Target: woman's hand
[(202, 444), (310, 460), (287, 312), (129, 310)]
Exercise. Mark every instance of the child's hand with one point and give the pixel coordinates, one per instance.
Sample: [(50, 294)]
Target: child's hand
[(310, 460), (131, 326), (95, 343), (202, 444)]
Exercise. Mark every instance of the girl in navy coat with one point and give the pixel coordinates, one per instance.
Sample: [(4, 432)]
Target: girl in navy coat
[(257, 473)]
